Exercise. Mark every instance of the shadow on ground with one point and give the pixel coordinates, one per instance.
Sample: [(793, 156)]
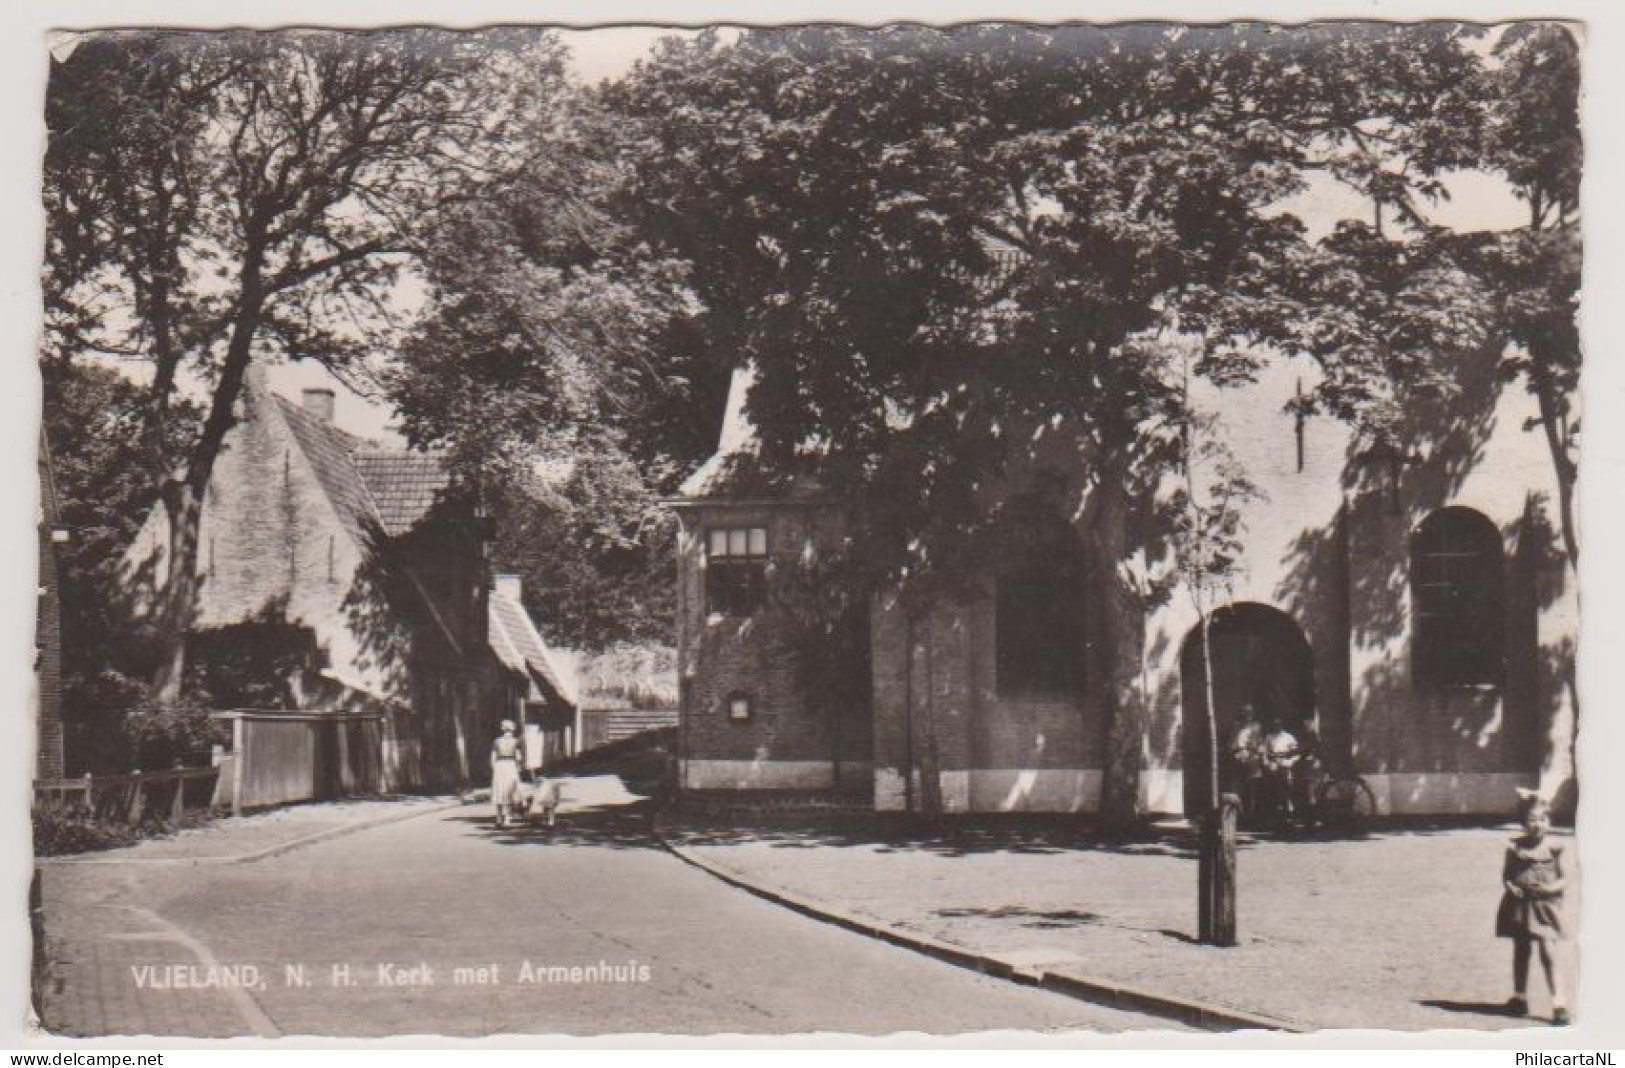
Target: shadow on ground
[(620, 826), (1055, 919), (949, 837), (1475, 1008), (1027, 834)]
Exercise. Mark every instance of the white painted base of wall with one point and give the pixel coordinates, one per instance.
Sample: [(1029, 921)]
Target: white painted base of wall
[(1035, 790), (767, 774), (1162, 792), (1446, 793), (1440, 793), (1030, 790), (998, 790), (891, 796)]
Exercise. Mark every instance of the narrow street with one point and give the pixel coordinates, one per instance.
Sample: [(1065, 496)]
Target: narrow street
[(443, 924)]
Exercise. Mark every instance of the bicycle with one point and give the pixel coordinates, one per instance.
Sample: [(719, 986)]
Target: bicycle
[(1340, 802)]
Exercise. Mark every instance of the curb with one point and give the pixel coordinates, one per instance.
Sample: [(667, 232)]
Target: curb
[(261, 854), (1115, 995)]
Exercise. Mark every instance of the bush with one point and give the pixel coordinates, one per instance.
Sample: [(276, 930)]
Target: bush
[(94, 706), (75, 830), (160, 736), (57, 832), (115, 726)]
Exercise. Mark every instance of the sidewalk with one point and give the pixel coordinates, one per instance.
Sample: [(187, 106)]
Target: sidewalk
[(254, 836), (1392, 931)]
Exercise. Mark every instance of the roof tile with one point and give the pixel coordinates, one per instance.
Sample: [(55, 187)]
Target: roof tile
[(518, 644), (404, 485)]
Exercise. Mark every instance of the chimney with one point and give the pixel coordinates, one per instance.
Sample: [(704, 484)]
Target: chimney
[(509, 586), (319, 403)]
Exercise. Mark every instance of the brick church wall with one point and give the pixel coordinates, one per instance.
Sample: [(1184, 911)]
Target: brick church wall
[(1325, 548), (783, 744)]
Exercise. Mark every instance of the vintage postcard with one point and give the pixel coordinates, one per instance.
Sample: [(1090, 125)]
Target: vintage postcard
[(1067, 528)]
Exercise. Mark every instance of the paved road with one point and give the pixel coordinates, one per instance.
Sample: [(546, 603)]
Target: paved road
[(381, 921)]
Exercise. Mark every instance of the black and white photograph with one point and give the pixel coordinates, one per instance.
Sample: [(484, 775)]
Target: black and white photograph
[(1061, 527)]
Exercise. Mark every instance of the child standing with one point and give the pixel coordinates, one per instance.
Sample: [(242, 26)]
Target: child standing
[(1531, 912)]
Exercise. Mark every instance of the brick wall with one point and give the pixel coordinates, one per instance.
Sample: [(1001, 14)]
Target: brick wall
[(756, 656), (936, 681)]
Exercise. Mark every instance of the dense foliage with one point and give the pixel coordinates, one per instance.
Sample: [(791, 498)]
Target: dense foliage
[(220, 197)]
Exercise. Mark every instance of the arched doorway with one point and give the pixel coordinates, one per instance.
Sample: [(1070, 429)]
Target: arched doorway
[(1261, 658)]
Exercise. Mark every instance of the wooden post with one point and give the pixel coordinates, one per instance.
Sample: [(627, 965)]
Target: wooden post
[(1205, 867), (239, 743), (36, 927), (90, 800), (178, 809), (1216, 874), (1224, 899), (136, 796)]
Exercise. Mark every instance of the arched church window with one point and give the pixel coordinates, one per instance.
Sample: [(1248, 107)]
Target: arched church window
[(1458, 613)]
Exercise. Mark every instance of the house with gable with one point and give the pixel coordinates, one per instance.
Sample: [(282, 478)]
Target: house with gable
[(546, 703), (336, 576), (1414, 614)]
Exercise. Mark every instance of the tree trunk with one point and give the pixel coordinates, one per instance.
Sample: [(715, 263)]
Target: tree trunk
[(177, 603), (834, 720), (1211, 711), (1120, 627), (1216, 868), (909, 763), (1558, 446), (177, 599), (1558, 768), (1216, 861), (930, 760)]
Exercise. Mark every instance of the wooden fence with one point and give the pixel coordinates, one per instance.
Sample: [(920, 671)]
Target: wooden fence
[(130, 798), (281, 757), (607, 724)]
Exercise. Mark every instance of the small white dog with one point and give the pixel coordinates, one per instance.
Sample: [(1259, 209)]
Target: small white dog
[(541, 798)]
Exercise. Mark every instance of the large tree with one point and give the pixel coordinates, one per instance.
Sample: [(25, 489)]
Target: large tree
[(1420, 302), (1533, 141), (938, 249), (104, 482), (557, 364), (224, 197)]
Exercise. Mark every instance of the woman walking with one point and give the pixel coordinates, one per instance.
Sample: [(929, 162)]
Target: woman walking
[(505, 773)]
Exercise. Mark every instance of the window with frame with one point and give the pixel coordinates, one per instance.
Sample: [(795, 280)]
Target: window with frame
[(1458, 612), (735, 570)]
